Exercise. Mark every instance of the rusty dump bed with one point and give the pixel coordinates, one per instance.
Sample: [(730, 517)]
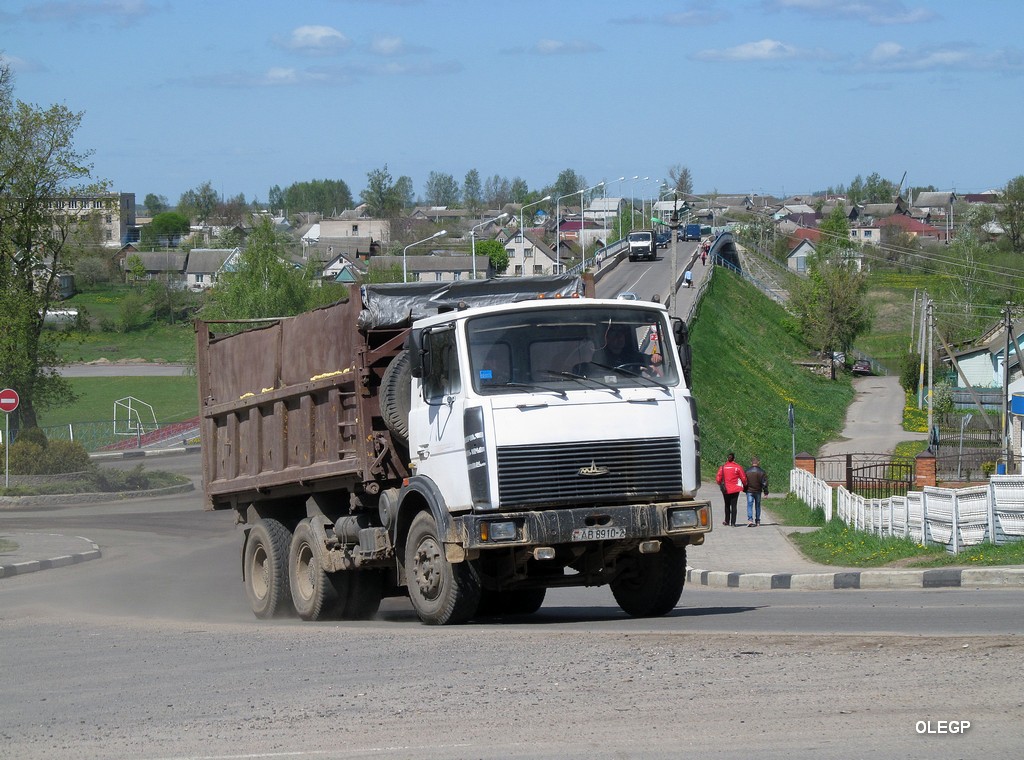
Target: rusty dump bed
[(278, 404), (291, 407)]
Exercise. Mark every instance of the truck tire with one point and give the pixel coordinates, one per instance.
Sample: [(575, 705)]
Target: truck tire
[(358, 593), (655, 583), (313, 594), (396, 396), (442, 593), (266, 569), (524, 601)]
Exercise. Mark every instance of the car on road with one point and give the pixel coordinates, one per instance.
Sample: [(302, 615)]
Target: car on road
[(663, 239), (625, 295), (862, 367)]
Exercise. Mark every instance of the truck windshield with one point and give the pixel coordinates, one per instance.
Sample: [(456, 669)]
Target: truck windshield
[(583, 348)]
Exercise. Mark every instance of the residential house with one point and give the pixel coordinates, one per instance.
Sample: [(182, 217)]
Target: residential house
[(796, 259), (440, 215), (913, 227), (604, 209), (982, 363), (528, 255), (168, 266), (205, 265), (866, 234), (355, 223), (437, 267)]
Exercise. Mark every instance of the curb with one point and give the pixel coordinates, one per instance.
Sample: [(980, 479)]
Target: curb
[(860, 579), (89, 551), (141, 453)]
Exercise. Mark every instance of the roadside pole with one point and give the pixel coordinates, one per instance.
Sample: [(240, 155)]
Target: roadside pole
[(9, 401), (792, 429)]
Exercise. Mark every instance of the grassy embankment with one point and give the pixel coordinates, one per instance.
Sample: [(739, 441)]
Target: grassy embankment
[(745, 376)]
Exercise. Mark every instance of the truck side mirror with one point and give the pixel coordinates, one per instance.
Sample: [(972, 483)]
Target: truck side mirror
[(681, 333), (415, 349)]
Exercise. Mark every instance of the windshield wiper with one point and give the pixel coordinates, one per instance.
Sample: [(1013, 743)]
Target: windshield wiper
[(583, 378), (535, 386), (631, 373)]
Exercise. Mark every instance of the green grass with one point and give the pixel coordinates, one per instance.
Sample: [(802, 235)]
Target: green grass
[(745, 376), (155, 343), (7, 545), (173, 399), (106, 480), (838, 544), (979, 556), (791, 510)]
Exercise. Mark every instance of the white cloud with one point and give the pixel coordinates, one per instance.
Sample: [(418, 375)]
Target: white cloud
[(559, 47), (893, 57), (316, 40), (19, 64), (762, 50), (388, 46), (874, 12)]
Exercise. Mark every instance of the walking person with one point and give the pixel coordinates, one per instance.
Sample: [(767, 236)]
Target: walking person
[(757, 484), (688, 277), (732, 479)]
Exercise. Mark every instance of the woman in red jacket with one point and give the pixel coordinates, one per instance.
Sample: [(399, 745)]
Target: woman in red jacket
[(733, 481)]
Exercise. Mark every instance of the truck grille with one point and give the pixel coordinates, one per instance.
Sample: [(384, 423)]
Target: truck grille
[(588, 473)]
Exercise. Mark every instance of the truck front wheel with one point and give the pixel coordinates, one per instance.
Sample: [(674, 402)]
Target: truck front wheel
[(266, 569), (654, 583), (442, 593)]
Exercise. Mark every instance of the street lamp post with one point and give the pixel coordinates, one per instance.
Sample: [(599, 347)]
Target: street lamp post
[(521, 210), (405, 269), (583, 247), (619, 182), (632, 198), (472, 236)]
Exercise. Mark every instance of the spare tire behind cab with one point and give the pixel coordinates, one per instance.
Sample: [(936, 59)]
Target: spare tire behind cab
[(396, 396)]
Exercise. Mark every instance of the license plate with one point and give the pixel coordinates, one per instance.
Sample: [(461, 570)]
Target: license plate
[(597, 534)]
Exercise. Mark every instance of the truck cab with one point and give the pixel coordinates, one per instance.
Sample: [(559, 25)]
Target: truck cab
[(643, 244)]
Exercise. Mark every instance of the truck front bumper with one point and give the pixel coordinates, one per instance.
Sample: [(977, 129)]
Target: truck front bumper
[(634, 523)]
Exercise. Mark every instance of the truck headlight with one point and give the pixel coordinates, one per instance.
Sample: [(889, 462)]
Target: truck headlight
[(498, 531), (682, 518)]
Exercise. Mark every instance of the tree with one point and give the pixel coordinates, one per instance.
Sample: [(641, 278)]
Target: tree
[(263, 283), (403, 189), (472, 193), (155, 204), (380, 195), (496, 254), (441, 190), (679, 178), (497, 191), (233, 210), (133, 266), (520, 191), (199, 203), (327, 197), (1011, 215), (830, 303), (163, 229), (568, 182), (39, 166)]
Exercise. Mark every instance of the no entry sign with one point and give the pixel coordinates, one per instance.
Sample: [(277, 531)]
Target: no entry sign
[(9, 400)]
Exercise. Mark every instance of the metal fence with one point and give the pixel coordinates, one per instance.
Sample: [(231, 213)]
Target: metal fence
[(950, 517)]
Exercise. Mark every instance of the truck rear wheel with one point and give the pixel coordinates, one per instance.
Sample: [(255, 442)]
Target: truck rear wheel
[(442, 593), (396, 396), (313, 594), (266, 569), (653, 585), (358, 592)]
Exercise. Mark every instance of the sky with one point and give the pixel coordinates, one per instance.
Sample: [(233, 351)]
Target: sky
[(777, 97)]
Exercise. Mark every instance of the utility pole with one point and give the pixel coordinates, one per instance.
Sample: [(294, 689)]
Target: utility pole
[(931, 369), (920, 340), (913, 320), (1006, 388)]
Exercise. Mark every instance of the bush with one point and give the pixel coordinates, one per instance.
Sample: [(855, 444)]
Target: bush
[(910, 372), (66, 456), (26, 458), (31, 435)]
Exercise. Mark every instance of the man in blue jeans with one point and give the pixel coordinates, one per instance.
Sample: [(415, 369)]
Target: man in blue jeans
[(757, 484)]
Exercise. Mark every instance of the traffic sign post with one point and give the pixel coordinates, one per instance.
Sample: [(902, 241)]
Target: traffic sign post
[(9, 401)]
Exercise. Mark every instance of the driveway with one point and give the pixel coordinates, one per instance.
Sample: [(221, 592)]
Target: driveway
[(874, 421)]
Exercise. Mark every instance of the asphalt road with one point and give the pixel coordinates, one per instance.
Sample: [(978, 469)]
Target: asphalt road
[(151, 652)]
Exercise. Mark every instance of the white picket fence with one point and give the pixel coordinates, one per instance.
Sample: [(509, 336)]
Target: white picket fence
[(951, 517)]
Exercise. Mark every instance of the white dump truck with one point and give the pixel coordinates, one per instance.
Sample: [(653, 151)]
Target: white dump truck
[(469, 444)]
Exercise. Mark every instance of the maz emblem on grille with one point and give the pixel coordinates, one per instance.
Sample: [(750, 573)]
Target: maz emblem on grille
[(593, 470)]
